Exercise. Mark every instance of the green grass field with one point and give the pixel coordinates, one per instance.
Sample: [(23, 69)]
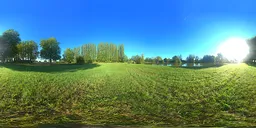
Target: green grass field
[(127, 94)]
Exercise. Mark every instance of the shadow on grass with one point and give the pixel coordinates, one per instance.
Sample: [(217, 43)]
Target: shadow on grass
[(251, 64), (75, 126), (54, 68)]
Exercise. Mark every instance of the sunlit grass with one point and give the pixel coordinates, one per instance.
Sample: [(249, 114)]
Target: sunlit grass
[(127, 94)]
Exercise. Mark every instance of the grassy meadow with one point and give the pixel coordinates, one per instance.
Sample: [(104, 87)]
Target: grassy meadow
[(127, 94)]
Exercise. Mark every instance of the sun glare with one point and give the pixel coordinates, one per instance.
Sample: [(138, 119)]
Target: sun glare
[(234, 49)]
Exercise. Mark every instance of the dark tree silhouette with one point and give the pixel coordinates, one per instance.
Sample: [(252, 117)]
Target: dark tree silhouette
[(8, 44), (191, 59), (251, 58), (208, 59)]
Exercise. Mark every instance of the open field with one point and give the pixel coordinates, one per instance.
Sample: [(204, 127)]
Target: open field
[(127, 94)]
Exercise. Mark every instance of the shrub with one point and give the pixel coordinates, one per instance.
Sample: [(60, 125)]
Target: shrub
[(79, 60)]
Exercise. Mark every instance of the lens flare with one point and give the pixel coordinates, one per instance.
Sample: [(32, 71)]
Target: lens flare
[(234, 49)]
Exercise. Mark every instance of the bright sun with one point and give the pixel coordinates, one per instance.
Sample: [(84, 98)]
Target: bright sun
[(234, 49)]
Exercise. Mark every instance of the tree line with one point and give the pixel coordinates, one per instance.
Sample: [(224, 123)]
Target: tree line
[(104, 52), (12, 49), (219, 59)]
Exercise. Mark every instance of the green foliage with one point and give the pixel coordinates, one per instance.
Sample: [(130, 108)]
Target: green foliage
[(219, 59), (251, 57), (142, 59), (148, 60), (197, 60), (137, 59), (8, 44), (80, 60), (208, 59), (121, 54), (50, 49), (158, 59), (100, 52), (77, 52), (191, 59), (27, 50), (176, 59), (110, 53), (69, 55), (126, 58), (89, 52)]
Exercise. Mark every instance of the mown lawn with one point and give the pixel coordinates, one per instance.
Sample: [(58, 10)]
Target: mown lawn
[(127, 94)]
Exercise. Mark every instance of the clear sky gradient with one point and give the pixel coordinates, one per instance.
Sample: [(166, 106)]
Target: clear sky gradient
[(152, 27)]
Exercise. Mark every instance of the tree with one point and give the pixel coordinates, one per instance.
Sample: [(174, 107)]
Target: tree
[(191, 59), (252, 50), (197, 59), (21, 50), (69, 55), (116, 57), (126, 58), (168, 61), (100, 52), (77, 52), (180, 57), (158, 59), (50, 49), (176, 60), (219, 58), (88, 51), (208, 59), (27, 50), (8, 44), (80, 60), (137, 59), (148, 60), (121, 53), (142, 59)]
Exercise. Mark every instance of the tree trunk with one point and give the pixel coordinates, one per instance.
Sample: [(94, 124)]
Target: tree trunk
[(50, 61)]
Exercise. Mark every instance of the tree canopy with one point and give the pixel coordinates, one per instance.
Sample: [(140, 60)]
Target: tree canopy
[(208, 59), (68, 55), (191, 58), (27, 50), (252, 49), (50, 49), (176, 59), (12, 48), (8, 44)]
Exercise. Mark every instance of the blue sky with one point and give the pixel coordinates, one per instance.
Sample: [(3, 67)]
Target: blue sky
[(151, 27)]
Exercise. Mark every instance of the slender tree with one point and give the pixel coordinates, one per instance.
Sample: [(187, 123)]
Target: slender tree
[(100, 52), (142, 59), (121, 53)]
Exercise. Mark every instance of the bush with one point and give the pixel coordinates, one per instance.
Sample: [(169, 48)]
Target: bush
[(79, 60)]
